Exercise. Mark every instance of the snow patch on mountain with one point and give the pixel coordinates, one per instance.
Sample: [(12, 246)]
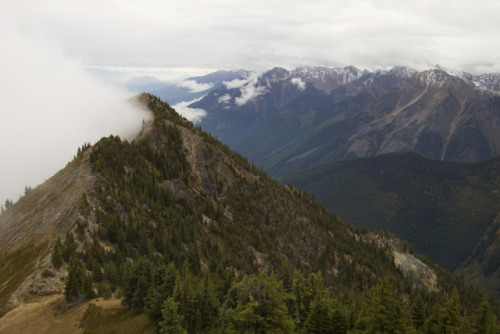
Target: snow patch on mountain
[(403, 72), (321, 73), (434, 77), (490, 81)]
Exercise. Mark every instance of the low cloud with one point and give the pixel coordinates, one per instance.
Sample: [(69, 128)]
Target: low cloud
[(49, 106), (195, 115), (194, 86), (250, 90), (299, 83), (236, 83), (224, 99)]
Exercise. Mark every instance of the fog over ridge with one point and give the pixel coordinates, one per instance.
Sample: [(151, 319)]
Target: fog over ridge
[(49, 106)]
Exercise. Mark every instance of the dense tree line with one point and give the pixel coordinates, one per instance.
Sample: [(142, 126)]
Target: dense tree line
[(249, 256)]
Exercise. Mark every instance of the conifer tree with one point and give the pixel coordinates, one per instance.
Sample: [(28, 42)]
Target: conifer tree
[(259, 306), (97, 275), (78, 284), (418, 312), (171, 323), (338, 322), (449, 321), (385, 310), (484, 320), (432, 323), (57, 254), (69, 247), (302, 298), (137, 284), (185, 294), (318, 321), (208, 305)]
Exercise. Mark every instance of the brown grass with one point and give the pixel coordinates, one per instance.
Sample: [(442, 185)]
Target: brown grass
[(14, 269), (96, 316)]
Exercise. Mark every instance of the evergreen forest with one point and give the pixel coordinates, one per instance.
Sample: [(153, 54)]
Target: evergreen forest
[(193, 235)]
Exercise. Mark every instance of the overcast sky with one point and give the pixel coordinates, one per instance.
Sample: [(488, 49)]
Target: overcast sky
[(260, 34), (47, 45)]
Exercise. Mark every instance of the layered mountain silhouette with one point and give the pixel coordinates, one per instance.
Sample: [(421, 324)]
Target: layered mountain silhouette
[(189, 89), (309, 119), (287, 121)]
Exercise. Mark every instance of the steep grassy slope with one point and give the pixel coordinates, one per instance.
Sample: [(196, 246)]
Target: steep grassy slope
[(443, 208), (29, 228)]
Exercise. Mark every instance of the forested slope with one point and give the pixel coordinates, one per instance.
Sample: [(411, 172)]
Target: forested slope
[(191, 234)]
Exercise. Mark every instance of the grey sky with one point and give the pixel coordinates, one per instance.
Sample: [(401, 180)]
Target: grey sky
[(260, 34), (49, 105)]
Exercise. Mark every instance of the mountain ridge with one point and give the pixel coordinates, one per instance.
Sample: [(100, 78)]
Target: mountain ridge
[(176, 218), (447, 210)]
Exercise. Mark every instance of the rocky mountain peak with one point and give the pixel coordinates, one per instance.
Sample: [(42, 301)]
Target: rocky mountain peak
[(436, 77), (402, 72), (489, 81), (276, 74)]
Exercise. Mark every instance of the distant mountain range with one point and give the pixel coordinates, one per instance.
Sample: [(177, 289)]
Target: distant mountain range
[(186, 90), (286, 121), (311, 119)]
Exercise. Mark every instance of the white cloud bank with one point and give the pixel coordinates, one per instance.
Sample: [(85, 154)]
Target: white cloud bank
[(194, 86), (261, 34), (250, 90), (224, 99), (194, 115), (49, 106), (236, 83), (299, 83)]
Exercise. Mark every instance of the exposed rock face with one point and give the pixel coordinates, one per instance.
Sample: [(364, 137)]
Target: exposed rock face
[(422, 274), (411, 266)]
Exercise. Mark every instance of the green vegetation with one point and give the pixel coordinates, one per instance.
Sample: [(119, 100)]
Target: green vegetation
[(447, 210), (201, 241)]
